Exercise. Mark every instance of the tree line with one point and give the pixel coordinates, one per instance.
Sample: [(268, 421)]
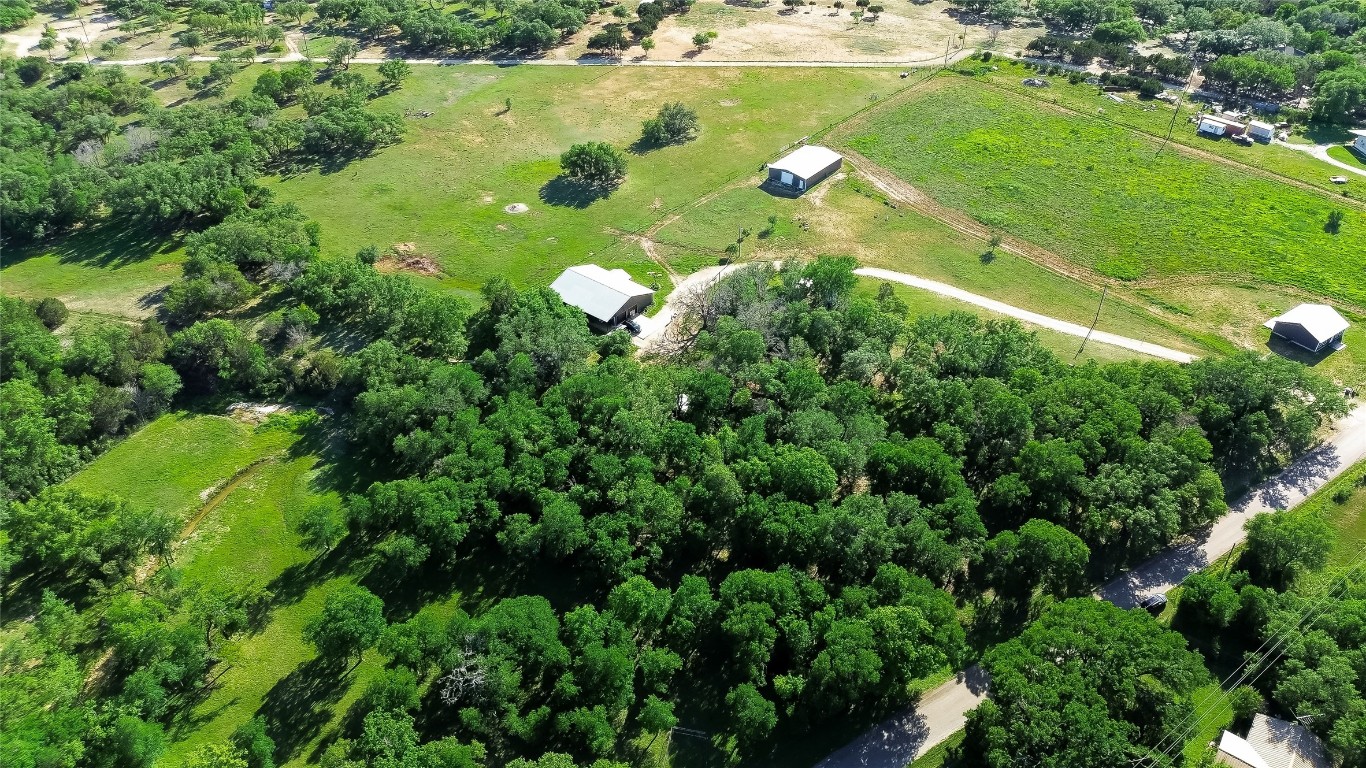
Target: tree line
[(775, 525)]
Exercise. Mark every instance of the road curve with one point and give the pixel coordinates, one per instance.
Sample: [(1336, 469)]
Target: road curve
[(942, 711), (1033, 318), (1320, 151)]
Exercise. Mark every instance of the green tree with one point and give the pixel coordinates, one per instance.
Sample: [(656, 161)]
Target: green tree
[(656, 716), (675, 124), (320, 527), (51, 311), (216, 756), (254, 743), (393, 72), (293, 9), (1087, 684), (596, 164), (341, 55), (752, 718), (352, 620), (1282, 545)]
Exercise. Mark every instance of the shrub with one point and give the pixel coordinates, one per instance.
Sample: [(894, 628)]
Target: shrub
[(52, 312)]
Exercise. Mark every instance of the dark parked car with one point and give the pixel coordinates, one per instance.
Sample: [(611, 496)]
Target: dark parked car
[(1154, 603), (633, 327)]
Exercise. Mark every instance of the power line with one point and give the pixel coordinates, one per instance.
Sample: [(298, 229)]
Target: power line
[(1259, 662)]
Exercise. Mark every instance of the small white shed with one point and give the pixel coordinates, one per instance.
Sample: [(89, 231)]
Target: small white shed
[(1261, 131)]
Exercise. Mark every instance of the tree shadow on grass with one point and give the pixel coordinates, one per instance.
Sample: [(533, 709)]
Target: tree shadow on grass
[(566, 192), (298, 707), (108, 246)]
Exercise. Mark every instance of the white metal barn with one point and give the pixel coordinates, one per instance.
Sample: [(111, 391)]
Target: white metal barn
[(804, 167)]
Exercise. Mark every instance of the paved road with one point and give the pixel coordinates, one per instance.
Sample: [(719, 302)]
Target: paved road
[(942, 712), (1320, 151), (1345, 447), (1033, 318)]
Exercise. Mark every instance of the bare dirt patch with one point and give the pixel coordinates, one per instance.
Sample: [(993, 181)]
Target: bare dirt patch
[(256, 413), (404, 257)]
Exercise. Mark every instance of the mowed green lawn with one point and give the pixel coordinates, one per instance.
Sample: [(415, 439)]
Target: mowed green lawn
[(444, 189), (1101, 195)]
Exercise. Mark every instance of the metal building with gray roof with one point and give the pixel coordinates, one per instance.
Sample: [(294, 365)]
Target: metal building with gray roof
[(608, 296)]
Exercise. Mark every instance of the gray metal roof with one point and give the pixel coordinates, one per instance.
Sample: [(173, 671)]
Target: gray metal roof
[(599, 292), (1285, 745), (1320, 320), (807, 161)]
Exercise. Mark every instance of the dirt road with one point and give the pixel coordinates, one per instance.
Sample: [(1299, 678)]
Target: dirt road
[(1033, 318)]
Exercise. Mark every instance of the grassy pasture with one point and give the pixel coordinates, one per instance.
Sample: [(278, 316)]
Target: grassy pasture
[(1155, 118), (174, 462), (104, 271), (1100, 195), (445, 187), (846, 215), (273, 670)]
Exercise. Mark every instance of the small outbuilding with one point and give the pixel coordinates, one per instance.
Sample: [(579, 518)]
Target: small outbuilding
[(1272, 743), (1261, 131), (803, 168), (1315, 327), (1220, 126), (608, 296), (1359, 143)]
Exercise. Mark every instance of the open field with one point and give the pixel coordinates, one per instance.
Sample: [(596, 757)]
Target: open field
[(765, 31), (249, 538), (904, 32), (1100, 195), (847, 215), (445, 187), (176, 462), (1154, 118), (101, 271)]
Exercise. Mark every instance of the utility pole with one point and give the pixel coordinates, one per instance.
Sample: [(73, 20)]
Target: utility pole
[(1104, 290)]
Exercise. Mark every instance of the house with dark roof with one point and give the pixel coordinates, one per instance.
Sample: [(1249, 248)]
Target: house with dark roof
[(609, 297), (1315, 327)]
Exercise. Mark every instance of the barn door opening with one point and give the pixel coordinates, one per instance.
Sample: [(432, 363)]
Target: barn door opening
[(787, 178)]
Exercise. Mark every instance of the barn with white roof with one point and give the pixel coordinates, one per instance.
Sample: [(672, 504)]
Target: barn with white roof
[(608, 296), (803, 168), (1315, 327)]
